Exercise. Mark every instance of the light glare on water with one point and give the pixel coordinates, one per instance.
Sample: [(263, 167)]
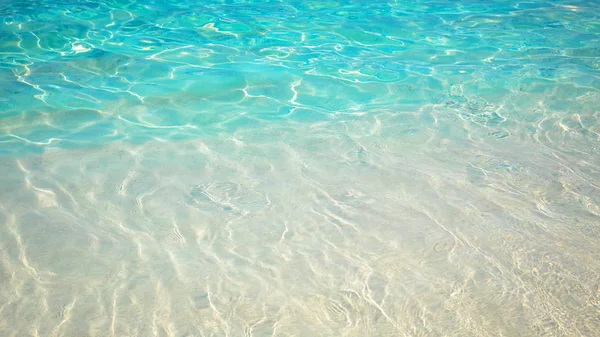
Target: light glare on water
[(299, 168)]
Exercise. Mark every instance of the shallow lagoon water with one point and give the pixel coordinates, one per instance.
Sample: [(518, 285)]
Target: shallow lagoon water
[(300, 168)]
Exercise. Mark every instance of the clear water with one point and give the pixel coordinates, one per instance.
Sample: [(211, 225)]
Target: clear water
[(300, 168)]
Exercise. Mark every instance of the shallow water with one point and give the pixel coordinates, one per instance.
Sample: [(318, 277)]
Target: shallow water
[(300, 168)]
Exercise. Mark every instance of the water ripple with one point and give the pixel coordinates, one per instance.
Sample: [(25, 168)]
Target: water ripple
[(299, 167)]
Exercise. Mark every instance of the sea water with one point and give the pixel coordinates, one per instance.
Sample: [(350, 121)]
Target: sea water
[(300, 168)]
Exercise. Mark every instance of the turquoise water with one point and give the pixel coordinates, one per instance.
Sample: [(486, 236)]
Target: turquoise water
[(300, 168)]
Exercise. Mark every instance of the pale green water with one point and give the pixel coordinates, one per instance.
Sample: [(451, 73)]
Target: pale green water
[(300, 168)]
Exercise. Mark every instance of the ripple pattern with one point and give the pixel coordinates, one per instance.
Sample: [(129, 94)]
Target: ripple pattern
[(299, 168)]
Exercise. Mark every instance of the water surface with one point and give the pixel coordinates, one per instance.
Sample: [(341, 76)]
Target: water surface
[(300, 168)]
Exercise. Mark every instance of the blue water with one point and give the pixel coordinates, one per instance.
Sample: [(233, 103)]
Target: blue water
[(300, 168)]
